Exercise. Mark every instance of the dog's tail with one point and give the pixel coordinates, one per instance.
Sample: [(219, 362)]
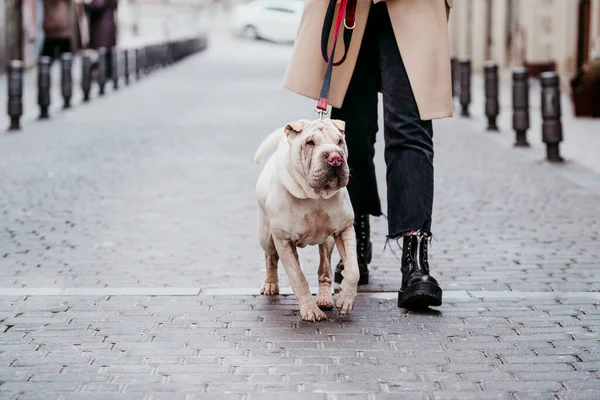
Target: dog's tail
[(269, 144)]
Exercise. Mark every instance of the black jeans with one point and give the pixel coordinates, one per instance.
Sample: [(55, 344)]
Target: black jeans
[(408, 139), (54, 47)]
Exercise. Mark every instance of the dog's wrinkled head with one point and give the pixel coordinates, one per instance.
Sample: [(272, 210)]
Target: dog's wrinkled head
[(318, 151)]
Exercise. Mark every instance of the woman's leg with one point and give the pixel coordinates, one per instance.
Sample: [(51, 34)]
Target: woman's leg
[(409, 160), (359, 111)]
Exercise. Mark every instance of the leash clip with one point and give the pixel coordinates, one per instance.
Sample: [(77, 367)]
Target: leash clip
[(350, 27), (321, 113)]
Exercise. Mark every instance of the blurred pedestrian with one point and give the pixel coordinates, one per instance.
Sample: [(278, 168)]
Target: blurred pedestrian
[(398, 48), (58, 29), (103, 27)]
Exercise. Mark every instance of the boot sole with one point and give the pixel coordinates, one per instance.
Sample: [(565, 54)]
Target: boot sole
[(420, 296)]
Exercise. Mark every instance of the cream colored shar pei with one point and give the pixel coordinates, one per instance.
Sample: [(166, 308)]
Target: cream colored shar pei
[(303, 200)]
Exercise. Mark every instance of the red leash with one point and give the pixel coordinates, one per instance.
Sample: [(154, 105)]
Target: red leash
[(348, 9)]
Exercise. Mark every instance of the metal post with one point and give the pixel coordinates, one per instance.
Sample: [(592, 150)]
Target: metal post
[(456, 72), (101, 70), (115, 68), (520, 100), (44, 86), (126, 65), (465, 86), (453, 75), (139, 66), (492, 108), (148, 59), (86, 75), (66, 78), (15, 94), (551, 113), (136, 56)]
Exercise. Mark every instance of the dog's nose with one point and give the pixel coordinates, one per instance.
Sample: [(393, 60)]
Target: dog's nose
[(335, 159)]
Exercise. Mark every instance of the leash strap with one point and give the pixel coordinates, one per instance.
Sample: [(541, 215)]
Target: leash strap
[(347, 8)]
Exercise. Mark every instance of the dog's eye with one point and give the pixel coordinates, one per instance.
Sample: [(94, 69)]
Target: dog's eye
[(340, 142), (310, 143)]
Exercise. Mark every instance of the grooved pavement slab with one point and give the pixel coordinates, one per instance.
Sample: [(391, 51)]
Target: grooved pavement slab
[(128, 255)]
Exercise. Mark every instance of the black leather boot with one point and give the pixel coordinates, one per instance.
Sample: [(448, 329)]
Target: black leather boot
[(364, 250), (419, 289)]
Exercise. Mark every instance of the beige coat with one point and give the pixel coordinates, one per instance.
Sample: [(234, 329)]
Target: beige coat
[(421, 30)]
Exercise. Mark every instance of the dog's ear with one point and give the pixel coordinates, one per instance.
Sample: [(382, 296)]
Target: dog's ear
[(341, 125), (294, 127)]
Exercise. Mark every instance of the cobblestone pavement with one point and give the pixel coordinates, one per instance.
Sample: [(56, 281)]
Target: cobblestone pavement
[(129, 263)]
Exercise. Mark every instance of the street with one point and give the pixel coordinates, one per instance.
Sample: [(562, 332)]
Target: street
[(130, 265)]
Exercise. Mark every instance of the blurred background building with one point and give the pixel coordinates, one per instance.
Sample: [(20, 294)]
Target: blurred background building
[(139, 22), (559, 35)]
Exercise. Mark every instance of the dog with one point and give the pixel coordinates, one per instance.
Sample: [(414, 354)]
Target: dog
[(303, 201)]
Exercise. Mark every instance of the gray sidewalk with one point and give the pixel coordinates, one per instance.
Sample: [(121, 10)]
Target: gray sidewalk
[(130, 267)]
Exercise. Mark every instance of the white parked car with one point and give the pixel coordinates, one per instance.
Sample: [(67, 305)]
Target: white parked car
[(273, 20)]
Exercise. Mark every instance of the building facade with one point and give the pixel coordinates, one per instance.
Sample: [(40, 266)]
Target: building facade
[(560, 35)]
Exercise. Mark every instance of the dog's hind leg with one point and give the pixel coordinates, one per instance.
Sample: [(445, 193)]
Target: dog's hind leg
[(324, 298), (270, 285)]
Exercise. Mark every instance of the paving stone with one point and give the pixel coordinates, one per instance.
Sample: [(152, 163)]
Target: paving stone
[(130, 266)]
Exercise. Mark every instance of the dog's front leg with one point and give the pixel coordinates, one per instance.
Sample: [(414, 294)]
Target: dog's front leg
[(289, 258), (324, 298), (346, 244)]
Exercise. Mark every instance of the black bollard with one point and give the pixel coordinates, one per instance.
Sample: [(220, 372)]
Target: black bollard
[(492, 108), (115, 68), (456, 77), (101, 70), (153, 58), (520, 100), (86, 75), (126, 66), (453, 75), (44, 86), (147, 59), (66, 78), (15, 94), (164, 55), (551, 113), (465, 86), (139, 66)]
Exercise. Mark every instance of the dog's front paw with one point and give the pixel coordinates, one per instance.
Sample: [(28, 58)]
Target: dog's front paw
[(324, 300), (346, 299), (312, 313), (269, 288), (345, 305)]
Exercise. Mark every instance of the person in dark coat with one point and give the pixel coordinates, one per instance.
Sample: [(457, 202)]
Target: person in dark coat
[(103, 27), (57, 27)]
